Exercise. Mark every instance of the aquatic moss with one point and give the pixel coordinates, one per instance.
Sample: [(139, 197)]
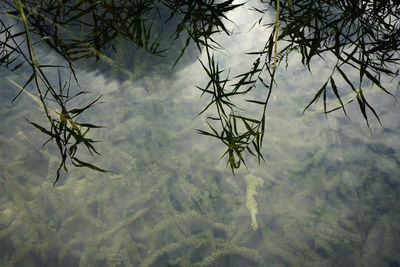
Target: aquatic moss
[(252, 183)]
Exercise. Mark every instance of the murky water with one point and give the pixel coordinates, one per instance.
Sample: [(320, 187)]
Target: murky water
[(326, 195)]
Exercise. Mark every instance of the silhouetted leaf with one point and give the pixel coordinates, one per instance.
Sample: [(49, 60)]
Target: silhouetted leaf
[(78, 163), (376, 82), (42, 129), (334, 88), (317, 95)]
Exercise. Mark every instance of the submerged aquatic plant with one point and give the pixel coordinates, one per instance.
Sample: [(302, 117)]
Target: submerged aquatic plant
[(252, 183), (182, 210)]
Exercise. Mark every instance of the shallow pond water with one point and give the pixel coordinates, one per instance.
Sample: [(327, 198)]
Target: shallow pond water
[(327, 193)]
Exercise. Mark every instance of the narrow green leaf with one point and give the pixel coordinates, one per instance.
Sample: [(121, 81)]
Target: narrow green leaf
[(256, 102), (335, 90), (362, 108), (346, 79), (23, 87), (78, 111), (88, 125), (41, 128), (370, 107), (85, 164), (316, 97), (377, 83)]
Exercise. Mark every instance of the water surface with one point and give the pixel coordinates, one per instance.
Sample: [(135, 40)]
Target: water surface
[(326, 195)]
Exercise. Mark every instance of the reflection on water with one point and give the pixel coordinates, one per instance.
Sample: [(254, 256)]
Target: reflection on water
[(327, 194)]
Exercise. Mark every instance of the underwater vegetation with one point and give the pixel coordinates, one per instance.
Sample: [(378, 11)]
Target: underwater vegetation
[(326, 195), (127, 41), (252, 183), (314, 203)]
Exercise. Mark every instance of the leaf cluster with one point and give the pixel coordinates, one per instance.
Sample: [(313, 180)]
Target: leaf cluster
[(63, 127), (363, 36), (82, 29), (237, 132), (200, 20)]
